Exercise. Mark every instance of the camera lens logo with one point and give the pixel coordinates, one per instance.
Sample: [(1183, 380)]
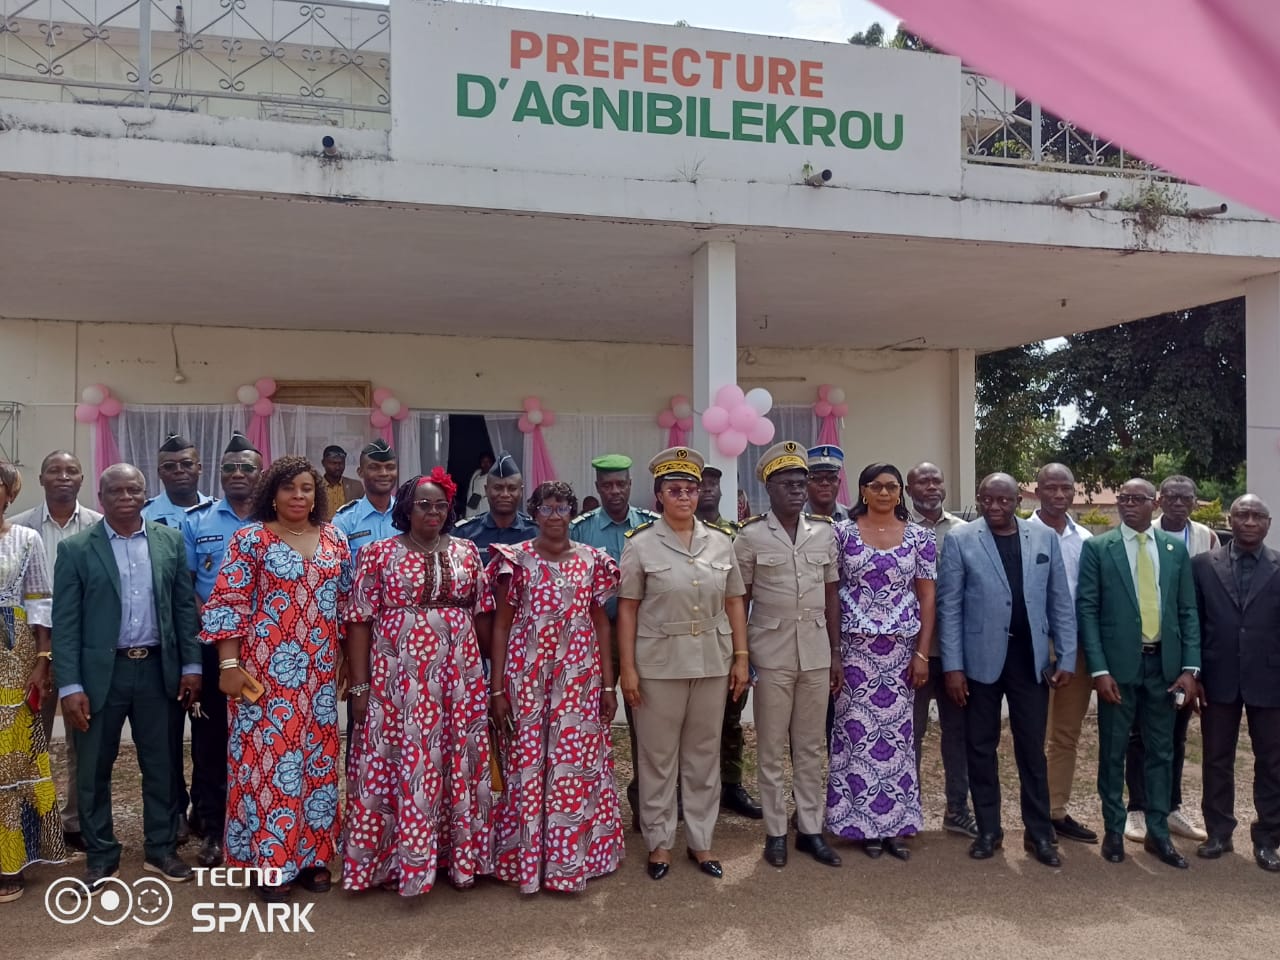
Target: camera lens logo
[(148, 901)]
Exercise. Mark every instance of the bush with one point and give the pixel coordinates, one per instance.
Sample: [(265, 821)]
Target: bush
[(1210, 514), (1094, 518)]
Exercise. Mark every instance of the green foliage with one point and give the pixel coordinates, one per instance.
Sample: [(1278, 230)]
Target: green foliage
[(873, 36), (1094, 518), (1152, 205), (1017, 426), (903, 39), (1210, 514)]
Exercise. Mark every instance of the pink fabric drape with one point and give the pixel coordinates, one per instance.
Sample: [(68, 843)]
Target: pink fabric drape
[(829, 433), (387, 433), (259, 434), (542, 469), (677, 437), (1189, 85), (105, 449)]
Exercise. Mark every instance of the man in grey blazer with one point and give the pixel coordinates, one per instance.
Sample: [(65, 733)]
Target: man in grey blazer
[(1003, 599)]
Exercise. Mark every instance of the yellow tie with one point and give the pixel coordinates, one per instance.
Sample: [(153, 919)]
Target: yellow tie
[(1148, 605)]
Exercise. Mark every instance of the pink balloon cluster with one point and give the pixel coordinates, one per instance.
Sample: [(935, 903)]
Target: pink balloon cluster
[(830, 402), (258, 396), (535, 416), (386, 407), (679, 413), (97, 401), (738, 418)]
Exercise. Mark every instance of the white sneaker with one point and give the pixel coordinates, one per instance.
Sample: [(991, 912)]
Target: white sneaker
[(1135, 826), (1183, 826)]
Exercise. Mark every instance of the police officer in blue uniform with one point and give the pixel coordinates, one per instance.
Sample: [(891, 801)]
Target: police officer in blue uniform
[(505, 522), (607, 528), (825, 463), (368, 519), (179, 469), (208, 531)]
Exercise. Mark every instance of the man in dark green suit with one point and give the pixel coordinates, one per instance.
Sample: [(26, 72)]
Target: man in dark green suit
[(1140, 630), (126, 649)]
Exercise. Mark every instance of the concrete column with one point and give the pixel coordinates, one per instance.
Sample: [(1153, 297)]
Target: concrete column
[(715, 350), (1262, 390), (962, 482)]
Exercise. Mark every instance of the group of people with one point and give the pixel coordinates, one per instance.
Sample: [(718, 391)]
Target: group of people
[(479, 661)]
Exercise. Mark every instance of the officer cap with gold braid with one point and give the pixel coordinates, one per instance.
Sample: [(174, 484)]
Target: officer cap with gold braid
[(677, 463), (787, 455)]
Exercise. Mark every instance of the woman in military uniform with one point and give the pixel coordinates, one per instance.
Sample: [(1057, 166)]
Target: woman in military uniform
[(682, 639)]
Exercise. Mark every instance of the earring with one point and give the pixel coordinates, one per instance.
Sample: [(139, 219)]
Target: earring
[(864, 500)]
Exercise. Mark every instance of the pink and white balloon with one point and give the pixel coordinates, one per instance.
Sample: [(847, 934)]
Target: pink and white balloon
[(386, 407), (678, 416), (737, 418), (831, 402), (258, 396), (535, 415), (96, 401)]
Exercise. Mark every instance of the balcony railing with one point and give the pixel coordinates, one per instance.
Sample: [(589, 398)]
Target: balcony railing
[(999, 125), (323, 62)]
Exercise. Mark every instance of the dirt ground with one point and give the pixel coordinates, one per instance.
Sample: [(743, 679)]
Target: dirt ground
[(940, 904)]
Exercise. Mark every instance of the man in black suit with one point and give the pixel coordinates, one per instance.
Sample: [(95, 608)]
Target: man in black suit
[(1238, 589)]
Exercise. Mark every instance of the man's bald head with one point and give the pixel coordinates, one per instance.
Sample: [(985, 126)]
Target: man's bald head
[(121, 471), (998, 498), (1055, 471), (122, 489), (1250, 520), (927, 489)]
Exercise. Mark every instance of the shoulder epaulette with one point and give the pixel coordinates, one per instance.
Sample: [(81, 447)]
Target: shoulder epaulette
[(582, 516), (750, 520), (201, 506), (345, 507), (728, 529), (819, 516), (147, 503), (647, 513), (463, 523), (634, 530)]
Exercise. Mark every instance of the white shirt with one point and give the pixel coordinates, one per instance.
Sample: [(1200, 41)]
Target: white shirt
[(38, 519), (476, 489), (1071, 543)]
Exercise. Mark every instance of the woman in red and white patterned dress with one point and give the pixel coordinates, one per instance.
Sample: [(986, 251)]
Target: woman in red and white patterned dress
[(418, 780), (558, 824)]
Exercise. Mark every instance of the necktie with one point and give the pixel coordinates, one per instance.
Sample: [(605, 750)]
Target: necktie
[(1148, 606)]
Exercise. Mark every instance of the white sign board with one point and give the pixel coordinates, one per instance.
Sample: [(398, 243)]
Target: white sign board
[(489, 86)]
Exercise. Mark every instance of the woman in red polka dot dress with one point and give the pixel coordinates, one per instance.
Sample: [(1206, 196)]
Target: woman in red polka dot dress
[(418, 788), (558, 824)]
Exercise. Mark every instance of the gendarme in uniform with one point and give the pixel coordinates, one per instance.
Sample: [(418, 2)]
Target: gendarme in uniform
[(787, 634)]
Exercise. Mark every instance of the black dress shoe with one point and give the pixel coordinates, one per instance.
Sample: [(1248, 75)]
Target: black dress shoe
[(74, 840), (896, 848), (93, 877), (1165, 851), (775, 851), (1214, 847), (1073, 830), (657, 869), (1265, 856), (172, 868), (985, 847), (1113, 847), (1042, 849), (711, 868), (734, 797), (210, 854), (873, 848), (815, 844)]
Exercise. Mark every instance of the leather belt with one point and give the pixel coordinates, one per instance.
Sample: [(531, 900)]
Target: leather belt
[(692, 628), (138, 653), (1150, 648)]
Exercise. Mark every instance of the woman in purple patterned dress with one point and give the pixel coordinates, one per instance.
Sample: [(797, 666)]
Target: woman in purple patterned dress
[(887, 570)]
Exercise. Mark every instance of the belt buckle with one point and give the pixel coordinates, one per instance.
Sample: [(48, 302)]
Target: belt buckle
[(138, 653), (696, 631)]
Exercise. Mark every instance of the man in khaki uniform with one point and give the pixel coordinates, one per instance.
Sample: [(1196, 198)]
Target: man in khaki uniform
[(682, 643), (788, 563)]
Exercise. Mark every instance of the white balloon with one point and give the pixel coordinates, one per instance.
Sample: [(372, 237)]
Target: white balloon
[(835, 395), (391, 406), (92, 396), (534, 417), (682, 410), (760, 400), (248, 394)]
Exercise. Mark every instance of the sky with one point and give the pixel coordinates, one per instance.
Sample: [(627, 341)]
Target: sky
[(834, 20)]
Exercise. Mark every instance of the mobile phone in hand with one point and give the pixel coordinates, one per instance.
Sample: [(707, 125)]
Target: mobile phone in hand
[(33, 700)]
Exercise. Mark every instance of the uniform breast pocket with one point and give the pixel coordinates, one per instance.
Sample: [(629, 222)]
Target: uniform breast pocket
[(658, 578), (813, 569), (720, 574)]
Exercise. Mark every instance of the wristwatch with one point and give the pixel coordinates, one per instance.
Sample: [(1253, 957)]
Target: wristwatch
[(1194, 671)]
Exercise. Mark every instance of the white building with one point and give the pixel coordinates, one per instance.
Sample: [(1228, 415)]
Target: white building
[(601, 213)]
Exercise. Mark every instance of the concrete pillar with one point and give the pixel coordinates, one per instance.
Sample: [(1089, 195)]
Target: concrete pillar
[(1262, 390), (962, 481), (715, 350)]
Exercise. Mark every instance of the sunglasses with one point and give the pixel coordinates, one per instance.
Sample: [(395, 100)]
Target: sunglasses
[(432, 506), (683, 493), (875, 486), (248, 469), (557, 510)]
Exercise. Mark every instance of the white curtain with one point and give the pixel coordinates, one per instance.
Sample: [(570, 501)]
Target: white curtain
[(422, 442), (795, 422), (577, 439), (505, 435), (141, 428)]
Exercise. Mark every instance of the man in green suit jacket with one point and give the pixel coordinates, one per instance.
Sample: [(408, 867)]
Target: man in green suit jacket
[(126, 649), (1140, 630)]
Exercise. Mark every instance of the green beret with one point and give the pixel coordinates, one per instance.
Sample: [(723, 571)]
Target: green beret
[(612, 461)]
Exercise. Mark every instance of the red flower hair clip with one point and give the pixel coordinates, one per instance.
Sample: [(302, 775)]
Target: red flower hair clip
[(441, 478)]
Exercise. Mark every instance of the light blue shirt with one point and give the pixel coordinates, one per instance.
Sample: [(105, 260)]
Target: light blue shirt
[(596, 528), (208, 531), (164, 511), (363, 524)]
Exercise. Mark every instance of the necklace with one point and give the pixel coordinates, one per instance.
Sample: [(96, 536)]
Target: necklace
[(435, 547), (296, 533)]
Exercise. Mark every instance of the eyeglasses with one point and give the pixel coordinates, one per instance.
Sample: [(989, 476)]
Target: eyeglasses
[(431, 506), (1129, 499), (789, 484), (875, 486), (989, 501), (682, 493), (248, 469), (554, 510), (173, 466)]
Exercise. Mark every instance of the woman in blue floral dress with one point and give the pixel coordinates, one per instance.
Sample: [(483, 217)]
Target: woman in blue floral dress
[(274, 610), (887, 570)]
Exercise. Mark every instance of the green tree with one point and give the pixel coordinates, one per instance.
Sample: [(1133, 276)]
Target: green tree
[(1017, 425), (903, 39)]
